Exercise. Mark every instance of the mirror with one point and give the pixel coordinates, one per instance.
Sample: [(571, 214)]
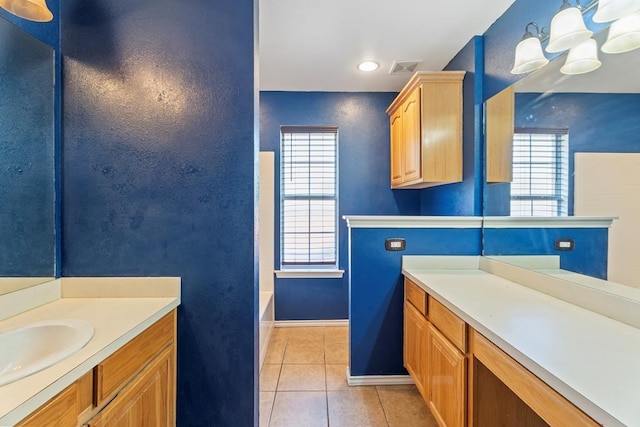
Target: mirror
[(27, 135), (578, 118)]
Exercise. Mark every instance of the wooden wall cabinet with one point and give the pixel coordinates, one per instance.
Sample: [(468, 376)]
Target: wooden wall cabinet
[(426, 131), (499, 127), (135, 386)]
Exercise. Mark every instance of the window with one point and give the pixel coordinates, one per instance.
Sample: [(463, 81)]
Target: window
[(540, 172), (308, 197)]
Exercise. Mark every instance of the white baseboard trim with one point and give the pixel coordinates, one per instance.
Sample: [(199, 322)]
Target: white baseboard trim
[(310, 323), (378, 379)]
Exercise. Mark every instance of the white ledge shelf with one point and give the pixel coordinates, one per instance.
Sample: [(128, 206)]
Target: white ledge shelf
[(547, 222), (309, 274), (399, 221)]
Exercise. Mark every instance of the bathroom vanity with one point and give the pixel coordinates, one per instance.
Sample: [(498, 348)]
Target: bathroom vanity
[(488, 343), (125, 374)]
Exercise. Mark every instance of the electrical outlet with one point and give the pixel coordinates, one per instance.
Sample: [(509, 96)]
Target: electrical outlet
[(395, 244), (563, 244)]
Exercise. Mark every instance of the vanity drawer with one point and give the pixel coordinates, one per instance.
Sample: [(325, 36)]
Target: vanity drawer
[(61, 410), (449, 324), (114, 373), (416, 296)]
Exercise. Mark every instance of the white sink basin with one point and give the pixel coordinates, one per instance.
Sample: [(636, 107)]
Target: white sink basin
[(30, 348)]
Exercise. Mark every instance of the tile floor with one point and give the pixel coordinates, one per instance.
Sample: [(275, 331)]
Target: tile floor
[(303, 383)]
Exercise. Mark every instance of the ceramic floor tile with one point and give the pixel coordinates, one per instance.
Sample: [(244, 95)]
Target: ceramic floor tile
[(336, 353), (305, 334), (336, 334), (404, 406), (336, 377), (299, 409), (302, 378), (269, 377), (355, 407), (266, 403), (275, 352), (304, 352), (280, 333)]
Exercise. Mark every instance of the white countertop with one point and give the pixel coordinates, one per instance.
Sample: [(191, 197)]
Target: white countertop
[(590, 359), (116, 321)]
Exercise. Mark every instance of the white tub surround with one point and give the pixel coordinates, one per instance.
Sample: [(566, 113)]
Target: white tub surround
[(266, 319), (587, 357), (118, 308)]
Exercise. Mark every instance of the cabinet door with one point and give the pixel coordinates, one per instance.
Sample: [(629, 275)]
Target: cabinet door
[(147, 401), (442, 132), (447, 379), (499, 136), (396, 147), (415, 347), (411, 119)]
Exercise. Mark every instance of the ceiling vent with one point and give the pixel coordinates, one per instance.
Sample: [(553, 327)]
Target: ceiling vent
[(404, 67)]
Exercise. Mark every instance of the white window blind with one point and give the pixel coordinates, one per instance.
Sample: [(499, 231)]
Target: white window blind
[(308, 196), (540, 172)]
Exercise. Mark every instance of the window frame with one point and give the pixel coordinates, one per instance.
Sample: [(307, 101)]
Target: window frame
[(561, 170), (308, 269)]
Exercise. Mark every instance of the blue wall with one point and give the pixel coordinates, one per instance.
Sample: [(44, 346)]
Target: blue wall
[(588, 257), (159, 177), (377, 292), (597, 122), (27, 224), (463, 198), (364, 189)]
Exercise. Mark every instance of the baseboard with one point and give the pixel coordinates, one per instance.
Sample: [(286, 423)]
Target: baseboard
[(310, 323), (378, 379)]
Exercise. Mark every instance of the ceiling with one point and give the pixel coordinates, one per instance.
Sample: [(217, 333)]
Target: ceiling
[(316, 45)]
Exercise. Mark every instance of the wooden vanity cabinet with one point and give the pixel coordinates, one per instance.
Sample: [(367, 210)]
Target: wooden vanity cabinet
[(434, 355), (447, 380), (466, 379), (145, 402), (61, 411), (135, 386), (426, 131), (416, 341)]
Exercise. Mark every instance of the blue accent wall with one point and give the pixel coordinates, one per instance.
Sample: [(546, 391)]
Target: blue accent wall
[(597, 122), (588, 257), (377, 292), (159, 177), (364, 183), (462, 199), (27, 224)]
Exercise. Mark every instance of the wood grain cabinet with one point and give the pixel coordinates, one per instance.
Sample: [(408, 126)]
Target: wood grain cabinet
[(465, 379), (434, 355), (426, 131), (447, 380), (135, 386), (416, 341), (500, 116)]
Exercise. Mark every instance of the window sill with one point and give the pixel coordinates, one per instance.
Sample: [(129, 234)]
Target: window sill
[(309, 274)]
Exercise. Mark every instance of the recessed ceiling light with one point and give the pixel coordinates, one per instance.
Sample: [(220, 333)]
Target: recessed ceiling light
[(368, 65)]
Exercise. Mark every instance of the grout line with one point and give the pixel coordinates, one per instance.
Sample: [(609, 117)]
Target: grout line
[(386, 418)]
